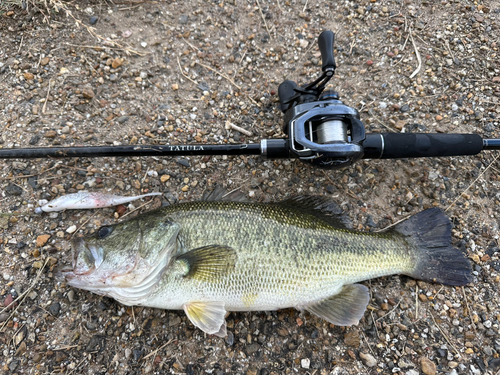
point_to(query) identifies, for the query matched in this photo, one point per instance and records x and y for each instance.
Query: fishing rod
(321, 130)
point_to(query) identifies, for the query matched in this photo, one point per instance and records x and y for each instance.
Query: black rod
(137, 150)
(491, 144)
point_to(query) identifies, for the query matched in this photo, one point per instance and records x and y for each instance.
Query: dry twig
(223, 75)
(264, 19)
(472, 183)
(419, 59)
(185, 75)
(23, 296)
(156, 350)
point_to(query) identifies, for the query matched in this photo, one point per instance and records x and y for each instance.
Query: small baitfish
(88, 200)
(210, 257)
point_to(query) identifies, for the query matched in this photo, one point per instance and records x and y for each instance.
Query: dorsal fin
(321, 207)
(221, 194)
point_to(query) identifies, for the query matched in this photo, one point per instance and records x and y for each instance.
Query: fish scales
(211, 257)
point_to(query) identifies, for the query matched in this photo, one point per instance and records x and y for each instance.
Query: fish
(88, 200)
(212, 257)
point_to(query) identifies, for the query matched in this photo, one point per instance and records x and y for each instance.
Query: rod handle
(421, 145)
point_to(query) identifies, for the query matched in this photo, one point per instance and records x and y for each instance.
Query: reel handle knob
(325, 42)
(286, 92)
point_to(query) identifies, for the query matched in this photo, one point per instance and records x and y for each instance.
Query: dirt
(175, 72)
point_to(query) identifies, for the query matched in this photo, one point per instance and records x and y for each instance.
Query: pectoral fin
(345, 308)
(208, 263)
(207, 316)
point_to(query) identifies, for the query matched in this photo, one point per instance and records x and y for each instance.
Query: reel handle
(325, 43)
(421, 145)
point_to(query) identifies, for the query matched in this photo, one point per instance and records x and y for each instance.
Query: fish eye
(104, 232)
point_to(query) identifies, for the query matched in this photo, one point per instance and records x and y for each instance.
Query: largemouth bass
(211, 257)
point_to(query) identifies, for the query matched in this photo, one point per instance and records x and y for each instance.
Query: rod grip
(421, 145)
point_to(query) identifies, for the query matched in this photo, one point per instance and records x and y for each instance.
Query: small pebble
(42, 240)
(54, 308)
(428, 367)
(368, 359)
(71, 229)
(305, 363)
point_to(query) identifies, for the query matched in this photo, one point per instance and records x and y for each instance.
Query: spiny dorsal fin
(345, 308)
(208, 263)
(321, 207)
(207, 316)
(221, 194)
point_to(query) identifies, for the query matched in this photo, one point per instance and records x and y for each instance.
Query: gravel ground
(182, 72)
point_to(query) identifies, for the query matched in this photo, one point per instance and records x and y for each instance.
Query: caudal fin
(437, 260)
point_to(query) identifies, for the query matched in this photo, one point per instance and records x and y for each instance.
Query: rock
(122, 119)
(44, 61)
(183, 162)
(252, 348)
(42, 240)
(96, 343)
(137, 353)
(305, 363)
(439, 118)
(230, 338)
(13, 189)
(88, 93)
(352, 338)
(60, 356)
(368, 359)
(93, 20)
(13, 365)
(71, 229)
(54, 308)
(183, 19)
(494, 364)
(28, 76)
(405, 108)
(34, 139)
(117, 63)
(50, 134)
(428, 367)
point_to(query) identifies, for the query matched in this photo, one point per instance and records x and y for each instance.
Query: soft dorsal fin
(345, 308)
(321, 207)
(208, 263)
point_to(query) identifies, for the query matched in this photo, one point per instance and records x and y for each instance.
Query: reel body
(326, 133)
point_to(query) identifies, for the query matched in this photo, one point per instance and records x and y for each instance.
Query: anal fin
(345, 308)
(207, 316)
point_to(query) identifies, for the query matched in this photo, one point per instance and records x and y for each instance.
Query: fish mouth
(85, 257)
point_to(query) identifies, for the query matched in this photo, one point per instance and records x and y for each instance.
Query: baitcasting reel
(321, 129)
